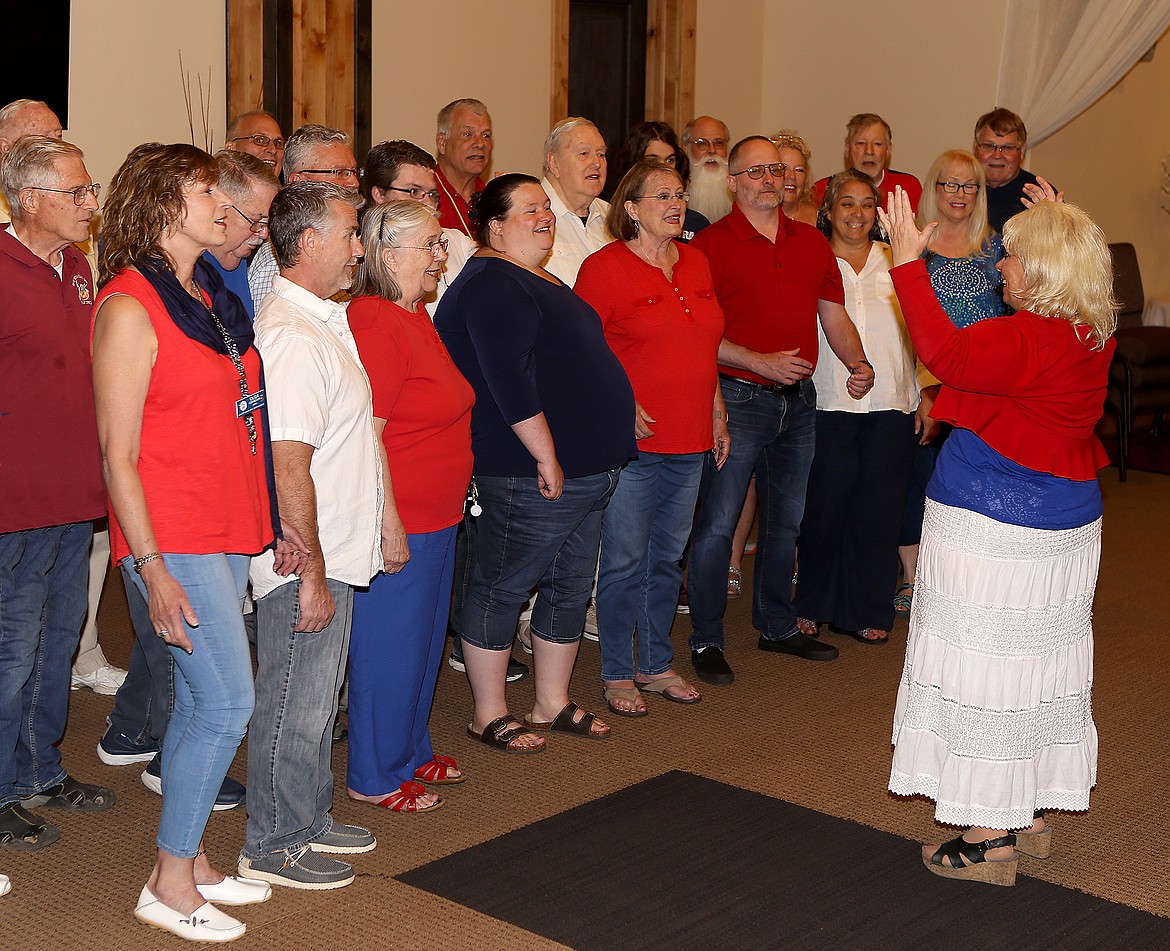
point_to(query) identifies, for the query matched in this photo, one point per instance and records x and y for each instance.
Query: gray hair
(32, 161)
(443, 120)
(689, 128)
(234, 128)
(383, 226)
(10, 112)
(240, 171)
(299, 146)
(299, 207)
(560, 132)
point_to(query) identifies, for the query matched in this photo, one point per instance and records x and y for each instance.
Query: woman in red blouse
(662, 321)
(422, 412)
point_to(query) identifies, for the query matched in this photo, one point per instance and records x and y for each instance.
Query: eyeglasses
(435, 247)
(990, 148)
(970, 188)
(255, 225)
(262, 140)
(709, 143)
(78, 193)
(684, 197)
(353, 173)
(756, 172)
(418, 194)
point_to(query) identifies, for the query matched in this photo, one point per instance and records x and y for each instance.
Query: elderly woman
(656, 301)
(869, 141)
(422, 412)
(994, 716)
(574, 176)
(962, 256)
(857, 483)
(181, 421)
(553, 423)
(797, 194)
(652, 141)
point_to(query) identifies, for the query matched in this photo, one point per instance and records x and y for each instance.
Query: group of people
(380, 401)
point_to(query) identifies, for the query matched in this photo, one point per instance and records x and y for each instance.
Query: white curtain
(1061, 56)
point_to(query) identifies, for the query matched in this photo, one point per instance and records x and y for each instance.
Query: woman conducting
(994, 718)
(422, 412)
(552, 424)
(657, 304)
(181, 421)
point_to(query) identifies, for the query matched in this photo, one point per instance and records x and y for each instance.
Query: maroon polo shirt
(50, 467)
(769, 290)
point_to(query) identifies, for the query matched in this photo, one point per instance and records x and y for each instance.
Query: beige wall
(731, 33)
(1108, 160)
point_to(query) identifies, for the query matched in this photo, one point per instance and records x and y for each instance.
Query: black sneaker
(117, 749)
(516, 670)
(799, 645)
(298, 868)
(231, 793)
(711, 667)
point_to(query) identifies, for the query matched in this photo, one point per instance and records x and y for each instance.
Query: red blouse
(1029, 386)
(426, 403)
(666, 335)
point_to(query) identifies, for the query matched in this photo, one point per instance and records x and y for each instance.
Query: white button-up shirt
(574, 241)
(318, 394)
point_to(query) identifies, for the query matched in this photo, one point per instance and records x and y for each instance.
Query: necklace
(466, 228)
(234, 354)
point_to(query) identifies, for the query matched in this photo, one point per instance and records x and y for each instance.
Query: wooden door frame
(670, 61)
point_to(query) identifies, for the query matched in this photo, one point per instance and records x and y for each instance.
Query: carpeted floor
(814, 735)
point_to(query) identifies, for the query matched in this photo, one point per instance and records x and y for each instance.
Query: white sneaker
(105, 680)
(590, 632)
(524, 635)
(5, 885)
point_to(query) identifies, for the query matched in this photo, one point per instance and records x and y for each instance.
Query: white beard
(710, 196)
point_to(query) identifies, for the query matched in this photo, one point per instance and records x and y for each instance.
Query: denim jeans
(643, 536)
(143, 703)
(399, 629)
(526, 541)
(773, 435)
(44, 578)
(213, 695)
(290, 749)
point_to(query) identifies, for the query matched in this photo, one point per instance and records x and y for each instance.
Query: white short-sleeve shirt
(574, 241)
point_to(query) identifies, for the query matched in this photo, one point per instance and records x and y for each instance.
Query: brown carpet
(816, 735)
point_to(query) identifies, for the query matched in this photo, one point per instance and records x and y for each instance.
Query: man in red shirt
(463, 144)
(774, 278)
(51, 486)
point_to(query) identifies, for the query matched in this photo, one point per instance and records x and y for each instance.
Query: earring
(637, 227)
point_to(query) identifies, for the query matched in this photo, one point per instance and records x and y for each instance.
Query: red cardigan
(1027, 385)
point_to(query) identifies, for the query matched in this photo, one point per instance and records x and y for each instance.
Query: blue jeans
(775, 436)
(213, 695)
(290, 749)
(643, 536)
(526, 541)
(399, 629)
(44, 580)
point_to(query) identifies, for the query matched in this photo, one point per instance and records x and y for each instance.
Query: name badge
(250, 403)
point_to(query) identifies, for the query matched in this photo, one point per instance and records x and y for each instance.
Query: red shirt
(1028, 386)
(205, 490)
(426, 403)
(769, 291)
(50, 466)
(666, 335)
(910, 185)
(454, 211)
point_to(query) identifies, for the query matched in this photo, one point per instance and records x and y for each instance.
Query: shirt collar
(559, 208)
(745, 230)
(326, 311)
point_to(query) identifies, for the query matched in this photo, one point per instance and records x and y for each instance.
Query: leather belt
(779, 389)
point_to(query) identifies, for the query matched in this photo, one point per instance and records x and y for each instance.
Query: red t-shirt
(205, 490)
(910, 185)
(426, 403)
(454, 211)
(50, 466)
(769, 291)
(666, 335)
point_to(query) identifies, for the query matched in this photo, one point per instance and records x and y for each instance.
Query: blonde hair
(787, 139)
(978, 230)
(1068, 270)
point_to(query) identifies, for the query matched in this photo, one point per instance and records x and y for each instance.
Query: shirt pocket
(651, 310)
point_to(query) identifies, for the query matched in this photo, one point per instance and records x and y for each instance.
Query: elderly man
(1001, 139)
(574, 175)
(774, 278)
(706, 141)
(869, 143)
(51, 486)
(328, 483)
(314, 153)
(464, 146)
(258, 134)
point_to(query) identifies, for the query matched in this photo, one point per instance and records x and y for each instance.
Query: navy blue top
(1004, 202)
(528, 346)
(235, 281)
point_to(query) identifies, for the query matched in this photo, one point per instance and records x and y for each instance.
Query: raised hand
(906, 242)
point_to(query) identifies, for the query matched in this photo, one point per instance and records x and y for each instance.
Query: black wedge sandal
(968, 861)
(1037, 845)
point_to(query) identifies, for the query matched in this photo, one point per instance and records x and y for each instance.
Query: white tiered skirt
(994, 712)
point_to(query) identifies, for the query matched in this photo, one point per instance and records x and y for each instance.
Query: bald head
(27, 117)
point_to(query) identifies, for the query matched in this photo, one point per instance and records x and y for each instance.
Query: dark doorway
(36, 56)
(607, 65)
